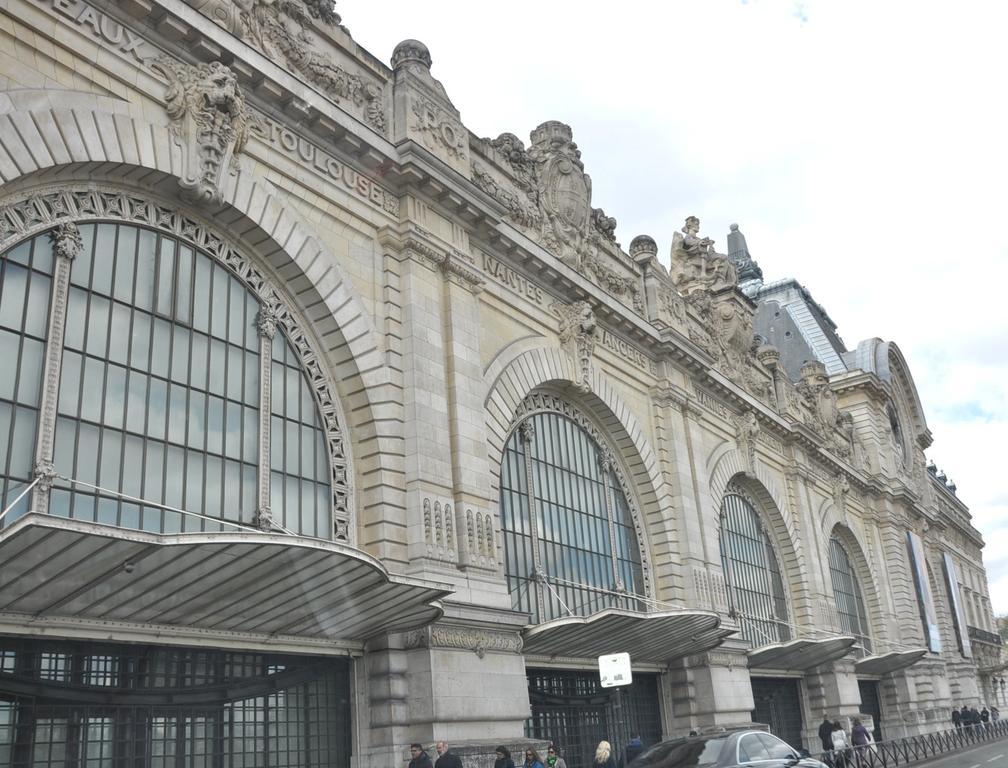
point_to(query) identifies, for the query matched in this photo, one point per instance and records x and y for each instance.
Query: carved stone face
(220, 90)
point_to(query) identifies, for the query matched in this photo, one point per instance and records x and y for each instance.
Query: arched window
(564, 515)
(754, 576)
(167, 361)
(847, 593)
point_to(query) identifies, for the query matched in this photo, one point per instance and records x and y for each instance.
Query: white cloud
(860, 146)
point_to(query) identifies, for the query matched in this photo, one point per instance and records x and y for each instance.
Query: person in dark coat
(956, 718)
(825, 729)
(446, 758)
(603, 756)
(974, 716)
(633, 748)
(420, 759)
(503, 758)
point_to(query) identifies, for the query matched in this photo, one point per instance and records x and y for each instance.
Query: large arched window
(754, 576)
(847, 593)
(565, 517)
(179, 392)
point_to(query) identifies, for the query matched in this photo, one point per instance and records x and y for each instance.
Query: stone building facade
(327, 426)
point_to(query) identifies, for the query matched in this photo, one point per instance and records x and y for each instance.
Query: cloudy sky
(861, 147)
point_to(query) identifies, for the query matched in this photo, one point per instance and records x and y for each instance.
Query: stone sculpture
(210, 122)
(695, 263)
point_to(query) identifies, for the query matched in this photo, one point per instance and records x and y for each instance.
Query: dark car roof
(686, 752)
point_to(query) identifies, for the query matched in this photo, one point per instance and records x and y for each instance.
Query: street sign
(614, 670)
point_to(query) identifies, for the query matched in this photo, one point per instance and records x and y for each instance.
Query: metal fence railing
(886, 754)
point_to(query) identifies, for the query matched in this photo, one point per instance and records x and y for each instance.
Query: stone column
(67, 246)
(266, 325)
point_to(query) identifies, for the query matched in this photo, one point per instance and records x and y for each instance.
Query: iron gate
(84, 705)
(778, 704)
(571, 710)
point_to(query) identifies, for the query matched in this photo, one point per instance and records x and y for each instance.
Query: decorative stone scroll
(578, 333)
(28, 216)
(210, 124)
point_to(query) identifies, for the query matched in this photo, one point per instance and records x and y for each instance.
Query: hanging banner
(958, 614)
(924, 597)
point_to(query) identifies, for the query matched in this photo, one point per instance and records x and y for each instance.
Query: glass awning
(885, 663)
(799, 655)
(654, 638)
(244, 585)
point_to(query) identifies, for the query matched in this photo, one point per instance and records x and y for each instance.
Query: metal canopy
(648, 637)
(885, 663)
(247, 583)
(799, 655)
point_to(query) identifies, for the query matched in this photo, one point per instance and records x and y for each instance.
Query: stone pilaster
(710, 689)
(67, 246)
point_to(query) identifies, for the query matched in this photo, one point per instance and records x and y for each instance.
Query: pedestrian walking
(825, 729)
(419, 757)
(503, 758)
(603, 756)
(553, 759)
(956, 718)
(532, 759)
(841, 745)
(634, 747)
(446, 758)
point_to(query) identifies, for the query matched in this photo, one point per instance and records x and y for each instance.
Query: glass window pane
(37, 308)
(12, 296)
(103, 259)
(122, 286)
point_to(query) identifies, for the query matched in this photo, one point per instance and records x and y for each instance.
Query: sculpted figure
(695, 263)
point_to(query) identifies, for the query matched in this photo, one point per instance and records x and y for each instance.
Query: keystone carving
(280, 30)
(210, 123)
(747, 430)
(578, 332)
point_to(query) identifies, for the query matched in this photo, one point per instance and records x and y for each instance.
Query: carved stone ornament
(464, 638)
(266, 321)
(820, 400)
(67, 241)
(841, 487)
(45, 472)
(578, 333)
(695, 263)
(210, 123)
(281, 31)
(747, 430)
(725, 332)
(36, 213)
(552, 197)
(263, 519)
(439, 128)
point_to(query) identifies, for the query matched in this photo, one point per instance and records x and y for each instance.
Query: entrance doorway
(570, 709)
(778, 704)
(871, 704)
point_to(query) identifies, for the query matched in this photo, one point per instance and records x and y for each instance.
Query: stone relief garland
(546, 402)
(280, 30)
(40, 211)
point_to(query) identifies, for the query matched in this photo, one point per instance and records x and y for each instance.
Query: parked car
(754, 749)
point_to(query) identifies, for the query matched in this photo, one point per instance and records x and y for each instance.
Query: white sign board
(614, 670)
